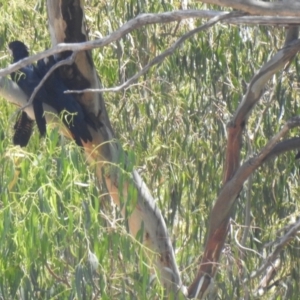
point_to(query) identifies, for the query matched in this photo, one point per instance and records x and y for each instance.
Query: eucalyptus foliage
(58, 240)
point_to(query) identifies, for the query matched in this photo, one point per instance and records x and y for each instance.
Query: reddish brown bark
(223, 208)
(218, 231)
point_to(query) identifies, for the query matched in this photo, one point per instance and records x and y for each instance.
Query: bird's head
(18, 50)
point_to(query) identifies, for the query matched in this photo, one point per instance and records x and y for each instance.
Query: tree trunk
(67, 25)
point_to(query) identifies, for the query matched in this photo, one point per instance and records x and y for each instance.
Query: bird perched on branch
(27, 80)
(71, 112)
(51, 93)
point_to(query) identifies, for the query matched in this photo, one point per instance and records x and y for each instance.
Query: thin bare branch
(247, 212)
(67, 61)
(284, 146)
(255, 88)
(255, 7)
(59, 279)
(263, 20)
(158, 59)
(280, 245)
(136, 23)
(270, 274)
(143, 20)
(242, 246)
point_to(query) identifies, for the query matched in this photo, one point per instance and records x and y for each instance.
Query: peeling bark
(67, 25)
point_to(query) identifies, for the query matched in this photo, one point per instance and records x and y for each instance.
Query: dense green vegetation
(53, 224)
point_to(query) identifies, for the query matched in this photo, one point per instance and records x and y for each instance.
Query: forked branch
(234, 175)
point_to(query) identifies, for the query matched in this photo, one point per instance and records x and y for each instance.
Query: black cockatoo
(51, 93)
(70, 110)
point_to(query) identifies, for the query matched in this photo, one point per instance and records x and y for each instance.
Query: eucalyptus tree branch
(106, 155)
(158, 59)
(255, 88)
(263, 20)
(284, 146)
(136, 23)
(282, 242)
(247, 212)
(255, 7)
(272, 263)
(14, 95)
(58, 279)
(227, 198)
(148, 19)
(231, 190)
(271, 271)
(234, 174)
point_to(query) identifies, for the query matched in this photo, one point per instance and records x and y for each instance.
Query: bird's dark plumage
(51, 93)
(19, 50)
(27, 79)
(70, 110)
(23, 130)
